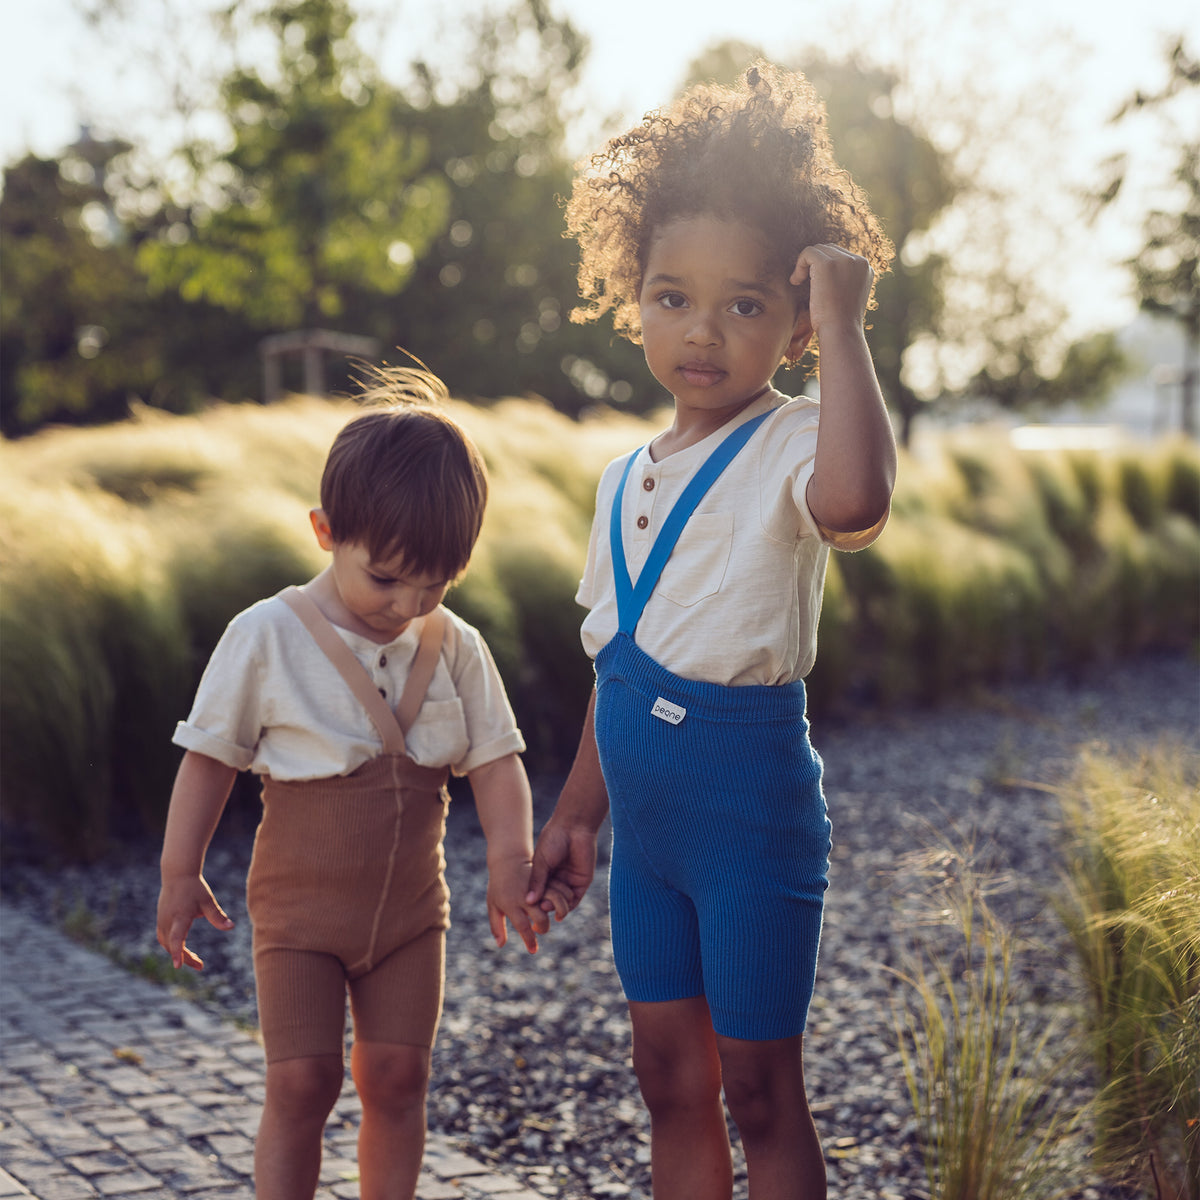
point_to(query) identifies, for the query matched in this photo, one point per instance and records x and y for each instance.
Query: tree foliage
(321, 193)
(488, 304)
(1166, 269)
(428, 215)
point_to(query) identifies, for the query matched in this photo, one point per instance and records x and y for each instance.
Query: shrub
(132, 545)
(977, 1061)
(1132, 906)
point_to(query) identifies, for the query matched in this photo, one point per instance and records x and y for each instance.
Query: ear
(801, 336)
(320, 524)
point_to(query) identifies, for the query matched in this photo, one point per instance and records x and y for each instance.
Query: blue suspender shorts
(720, 835)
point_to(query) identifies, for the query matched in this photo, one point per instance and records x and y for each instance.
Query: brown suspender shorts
(347, 883)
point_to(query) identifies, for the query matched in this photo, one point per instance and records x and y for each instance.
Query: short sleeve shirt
(740, 597)
(272, 703)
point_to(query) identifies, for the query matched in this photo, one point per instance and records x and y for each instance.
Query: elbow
(855, 512)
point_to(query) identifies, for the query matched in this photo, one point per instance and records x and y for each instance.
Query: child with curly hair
(722, 235)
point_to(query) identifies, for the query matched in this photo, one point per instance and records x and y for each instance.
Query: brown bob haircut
(404, 479)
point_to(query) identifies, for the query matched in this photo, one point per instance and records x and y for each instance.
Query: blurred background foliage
(427, 215)
(125, 549)
(138, 287)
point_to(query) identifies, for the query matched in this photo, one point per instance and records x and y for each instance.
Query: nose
(704, 330)
(410, 603)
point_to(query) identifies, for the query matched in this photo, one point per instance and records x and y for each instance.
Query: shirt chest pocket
(438, 737)
(700, 560)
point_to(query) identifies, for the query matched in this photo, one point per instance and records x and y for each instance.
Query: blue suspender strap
(631, 597)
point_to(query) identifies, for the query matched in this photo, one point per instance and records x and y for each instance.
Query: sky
(1086, 56)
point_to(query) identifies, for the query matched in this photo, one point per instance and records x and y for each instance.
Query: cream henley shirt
(739, 599)
(272, 703)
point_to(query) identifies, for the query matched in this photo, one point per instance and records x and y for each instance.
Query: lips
(701, 374)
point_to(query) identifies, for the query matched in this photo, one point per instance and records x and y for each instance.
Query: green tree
(321, 192)
(489, 302)
(1166, 270)
(76, 328)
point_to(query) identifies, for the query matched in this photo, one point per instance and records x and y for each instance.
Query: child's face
(381, 598)
(716, 320)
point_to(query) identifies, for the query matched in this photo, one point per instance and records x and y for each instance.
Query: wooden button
(642, 522)
(648, 484)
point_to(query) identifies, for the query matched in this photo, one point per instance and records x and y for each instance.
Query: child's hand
(181, 901)
(840, 285)
(508, 883)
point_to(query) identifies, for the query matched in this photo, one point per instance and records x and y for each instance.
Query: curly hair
(758, 154)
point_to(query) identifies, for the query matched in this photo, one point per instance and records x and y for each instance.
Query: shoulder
(793, 414)
(610, 477)
(264, 621)
(461, 641)
(266, 632)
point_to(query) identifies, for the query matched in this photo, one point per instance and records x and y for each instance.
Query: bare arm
(564, 860)
(505, 807)
(202, 786)
(855, 466)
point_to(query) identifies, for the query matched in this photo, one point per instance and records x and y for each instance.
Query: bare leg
(392, 1081)
(764, 1088)
(678, 1069)
(287, 1156)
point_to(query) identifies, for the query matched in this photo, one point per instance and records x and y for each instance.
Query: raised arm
(202, 786)
(564, 861)
(855, 466)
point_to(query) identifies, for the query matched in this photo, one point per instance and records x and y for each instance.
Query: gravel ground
(531, 1070)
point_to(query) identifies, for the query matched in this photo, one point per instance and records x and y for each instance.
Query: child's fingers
(190, 959)
(216, 915)
(556, 901)
(537, 918)
(521, 924)
(498, 926)
(524, 927)
(171, 938)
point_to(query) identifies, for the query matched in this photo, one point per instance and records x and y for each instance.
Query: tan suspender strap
(351, 670)
(424, 663)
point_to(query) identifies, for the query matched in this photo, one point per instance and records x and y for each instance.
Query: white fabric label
(666, 711)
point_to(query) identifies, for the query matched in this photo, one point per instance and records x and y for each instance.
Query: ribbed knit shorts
(347, 889)
(720, 842)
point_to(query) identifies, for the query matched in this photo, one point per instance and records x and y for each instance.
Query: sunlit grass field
(126, 549)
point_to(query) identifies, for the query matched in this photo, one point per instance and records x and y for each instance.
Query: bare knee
(674, 1056)
(390, 1078)
(764, 1086)
(304, 1089)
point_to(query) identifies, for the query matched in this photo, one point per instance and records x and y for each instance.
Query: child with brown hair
(353, 697)
(722, 235)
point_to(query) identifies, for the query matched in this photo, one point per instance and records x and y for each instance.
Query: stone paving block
(119, 1122)
(102, 1163)
(495, 1185)
(18, 1095)
(184, 1169)
(28, 1163)
(135, 1144)
(437, 1189)
(9, 1186)
(128, 1183)
(224, 1145)
(446, 1164)
(64, 1187)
